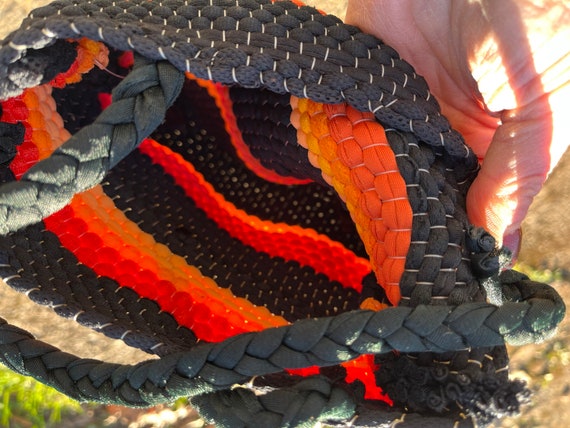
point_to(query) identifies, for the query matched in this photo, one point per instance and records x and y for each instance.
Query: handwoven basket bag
(264, 198)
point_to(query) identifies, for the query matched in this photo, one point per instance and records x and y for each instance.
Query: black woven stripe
(285, 288)
(263, 118)
(438, 264)
(52, 276)
(474, 382)
(281, 46)
(439, 271)
(194, 129)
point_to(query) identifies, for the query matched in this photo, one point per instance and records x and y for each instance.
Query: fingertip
(487, 210)
(500, 212)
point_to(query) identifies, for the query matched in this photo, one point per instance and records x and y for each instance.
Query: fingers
(513, 172)
(527, 79)
(517, 69)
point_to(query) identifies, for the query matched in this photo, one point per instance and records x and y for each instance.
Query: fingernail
(512, 241)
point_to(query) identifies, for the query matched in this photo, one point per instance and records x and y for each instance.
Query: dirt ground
(546, 245)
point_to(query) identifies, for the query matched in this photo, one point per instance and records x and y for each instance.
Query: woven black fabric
(11, 136)
(324, 342)
(450, 364)
(328, 61)
(286, 288)
(438, 264)
(203, 141)
(264, 122)
(57, 280)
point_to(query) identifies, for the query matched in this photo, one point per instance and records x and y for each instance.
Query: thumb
(533, 135)
(514, 170)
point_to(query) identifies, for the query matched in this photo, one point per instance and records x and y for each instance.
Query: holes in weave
(286, 288)
(213, 156)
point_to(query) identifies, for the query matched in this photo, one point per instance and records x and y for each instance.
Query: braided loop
(321, 342)
(140, 102)
(309, 401)
(305, 402)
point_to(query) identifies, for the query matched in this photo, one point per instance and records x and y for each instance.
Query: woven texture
(268, 200)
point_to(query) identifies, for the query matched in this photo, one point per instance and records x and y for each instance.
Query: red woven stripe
(221, 95)
(276, 239)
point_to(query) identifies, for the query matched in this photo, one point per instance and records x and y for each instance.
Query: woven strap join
(366, 126)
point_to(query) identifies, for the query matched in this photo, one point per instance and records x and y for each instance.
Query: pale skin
(501, 72)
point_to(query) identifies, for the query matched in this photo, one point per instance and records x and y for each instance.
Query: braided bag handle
(324, 342)
(273, 46)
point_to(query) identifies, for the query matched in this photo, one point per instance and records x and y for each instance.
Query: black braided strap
(306, 403)
(321, 342)
(139, 105)
(311, 400)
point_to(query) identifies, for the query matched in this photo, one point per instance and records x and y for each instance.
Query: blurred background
(545, 256)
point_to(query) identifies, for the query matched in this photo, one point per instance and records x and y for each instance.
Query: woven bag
(264, 198)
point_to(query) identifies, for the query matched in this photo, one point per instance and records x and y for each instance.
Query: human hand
(501, 73)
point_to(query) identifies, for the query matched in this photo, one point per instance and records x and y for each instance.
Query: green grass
(28, 403)
(547, 276)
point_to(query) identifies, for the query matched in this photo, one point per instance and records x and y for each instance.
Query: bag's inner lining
(150, 198)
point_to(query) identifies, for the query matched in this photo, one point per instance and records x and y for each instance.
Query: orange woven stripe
(276, 239)
(221, 95)
(308, 247)
(130, 264)
(35, 109)
(351, 150)
(89, 54)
